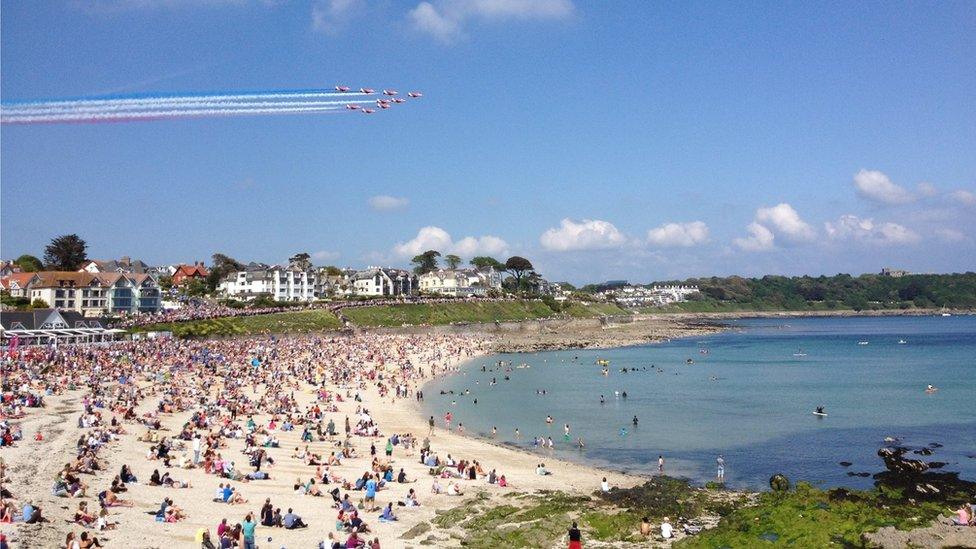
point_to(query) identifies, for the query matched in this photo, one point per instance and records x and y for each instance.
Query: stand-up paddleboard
(820, 414)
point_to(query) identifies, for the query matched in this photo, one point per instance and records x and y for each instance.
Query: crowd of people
(205, 310)
(224, 409)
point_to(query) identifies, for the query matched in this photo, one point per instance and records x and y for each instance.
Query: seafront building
(384, 281)
(460, 282)
(655, 296)
(90, 294)
(279, 283)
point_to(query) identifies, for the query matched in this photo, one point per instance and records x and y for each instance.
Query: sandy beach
(33, 464)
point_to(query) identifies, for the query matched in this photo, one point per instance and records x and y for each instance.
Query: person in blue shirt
(247, 530)
(387, 515)
(371, 494)
(291, 520)
(32, 514)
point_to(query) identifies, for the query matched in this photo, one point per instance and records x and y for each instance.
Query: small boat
(820, 414)
(862, 342)
(689, 361)
(946, 314)
(799, 352)
(603, 362)
(902, 342)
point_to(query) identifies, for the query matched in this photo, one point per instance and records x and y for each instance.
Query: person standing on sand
(720, 474)
(575, 537)
(430, 423)
(660, 464)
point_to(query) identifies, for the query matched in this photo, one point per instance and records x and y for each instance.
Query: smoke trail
(159, 114)
(161, 106)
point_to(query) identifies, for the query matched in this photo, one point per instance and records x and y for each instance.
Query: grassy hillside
(446, 313)
(277, 323)
(588, 310)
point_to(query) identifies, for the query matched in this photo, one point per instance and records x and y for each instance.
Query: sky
(627, 140)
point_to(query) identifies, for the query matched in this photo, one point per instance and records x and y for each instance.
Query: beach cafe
(52, 327)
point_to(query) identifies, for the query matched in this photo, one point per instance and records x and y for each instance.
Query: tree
(165, 283)
(29, 263)
(65, 253)
(425, 262)
(301, 260)
(518, 266)
(484, 261)
(222, 266)
(39, 304)
(452, 261)
(332, 270)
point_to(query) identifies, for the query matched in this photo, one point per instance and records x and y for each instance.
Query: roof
(20, 278)
(190, 270)
(38, 319)
(112, 265)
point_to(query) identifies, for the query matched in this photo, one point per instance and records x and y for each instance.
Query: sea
(747, 394)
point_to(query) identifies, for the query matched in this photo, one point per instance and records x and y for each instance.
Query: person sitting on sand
(86, 541)
(83, 516)
(541, 470)
(32, 513)
(109, 499)
(411, 499)
(502, 482)
(387, 514)
(291, 521)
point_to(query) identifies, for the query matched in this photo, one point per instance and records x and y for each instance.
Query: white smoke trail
(199, 97)
(46, 110)
(159, 114)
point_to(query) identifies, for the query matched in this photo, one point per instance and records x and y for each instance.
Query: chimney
(125, 260)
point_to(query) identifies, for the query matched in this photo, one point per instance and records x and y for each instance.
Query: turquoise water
(749, 397)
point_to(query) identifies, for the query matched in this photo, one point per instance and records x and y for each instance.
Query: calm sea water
(747, 395)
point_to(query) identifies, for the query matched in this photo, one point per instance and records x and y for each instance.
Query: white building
(380, 281)
(274, 281)
(460, 282)
(655, 296)
(95, 294)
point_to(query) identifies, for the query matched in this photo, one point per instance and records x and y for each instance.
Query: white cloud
(784, 221)
(876, 186)
(964, 198)
(866, 230)
(588, 234)
(760, 239)
(386, 203)
(329, 16)
(436, 238)
(325, 255)
(678, 234)
(445, 20)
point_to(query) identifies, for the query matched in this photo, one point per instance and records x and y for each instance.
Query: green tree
(452, 261)
(301, 260)
(332, 270)
(518, 266)
(425, 262)
(29, 263)
(222, 266)
(195, 287)
(65, 253)
(165, 283)
(484, 261)
(39, 304)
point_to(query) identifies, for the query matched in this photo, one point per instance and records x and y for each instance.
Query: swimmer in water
(635, 421)
(549, 420)
(602, 400)
(579, 443)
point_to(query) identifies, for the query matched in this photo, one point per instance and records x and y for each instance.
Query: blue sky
(635, 140)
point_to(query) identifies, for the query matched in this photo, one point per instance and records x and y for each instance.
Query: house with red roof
(185, 273)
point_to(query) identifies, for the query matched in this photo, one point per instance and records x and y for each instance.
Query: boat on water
(862, 342)
(799, 352)
(602, 362)
(946, 314)
(820, 414)
(902, 342)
